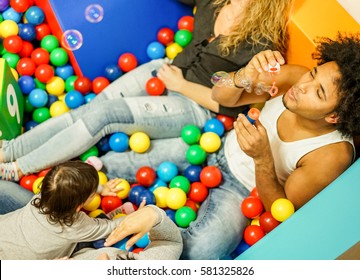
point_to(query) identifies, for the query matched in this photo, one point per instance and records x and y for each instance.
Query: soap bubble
(222, 79)
(72, 39)
(94, 13)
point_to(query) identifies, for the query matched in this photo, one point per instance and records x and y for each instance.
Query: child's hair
(64, 188)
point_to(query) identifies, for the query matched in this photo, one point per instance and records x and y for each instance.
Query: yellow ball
(8, 28)
(173, 50)
(160, 194)
(281, 209)
(58, 108)
(37, 185)
(255, 221)
(139, 142)
(102, 178)
(93, 204)
(118, 215)
(15, 74)
(125, 186)
(95, 213)
(55, 86)
(175, 198)
(210, 142)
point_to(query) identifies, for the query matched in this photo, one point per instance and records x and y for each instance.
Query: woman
(226, 35)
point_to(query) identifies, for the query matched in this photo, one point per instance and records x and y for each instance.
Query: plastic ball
(127, 62)
(27, 32)
(190, 134)
(160, 194)
(8, 27)
(98, 243)
(252, 207)
(11, 58)
(172, 50)
(119, 142)
(13, 43)
(82, 84)
(42, 30)
(70, 83)
(26, 50)
(20, 5)
(99, 83)
(198, 192)
(94, 203)
(64, 71)
(139, 142)
(37, 185)
(30, 125)
(167, 170)
(254, 192)
(74, 99)
(58, 57)
(268, 222)
(41, 114)
(227, 121)
(26, 84)
(58, 108)
(171, 214)
(89, 97)
(176, 198)
(211, 176)
(242, 247)
(55, 86)
(26, 66)
(95, 213)
(11, 14)
(93, 151)
(135, 193)
(112, 72)
(158, 183)
(145, 176)
(214, 125)
(184, 216)
(281, 209)
(165, 36)
(44, 72)
(27, 181)
(38, 98)
(183, 37)
(186, 22)
(49, 43)
(195, 154)
(122, 244)
(181, 182)
(34, 15)
(40, 56)
(192, 204)
(125, 189)
(210, 142)
(154, 86)
(253, 234)
(143, 241)
(192, 172)
(109, 203)
(146, 195)
(155, 50)
(103, 179)
(95, 162)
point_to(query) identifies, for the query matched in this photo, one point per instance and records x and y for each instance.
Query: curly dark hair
(345, 51)
(64, 188)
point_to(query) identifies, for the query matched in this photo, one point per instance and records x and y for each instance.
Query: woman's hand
(110, 188)
(260, 62)
(171, 76)
(136, 224)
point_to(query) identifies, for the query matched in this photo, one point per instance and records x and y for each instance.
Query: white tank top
(286, 154)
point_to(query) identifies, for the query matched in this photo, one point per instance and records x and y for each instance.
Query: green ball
(195, 154)
(180, 182)
(190, 134)
(184, 216)
(39, 84)
(41, 114)
(59, 57)
(49, 43)
(93, 151)
(69, 83)
(27, 105)
(12, 59)
(183, 37)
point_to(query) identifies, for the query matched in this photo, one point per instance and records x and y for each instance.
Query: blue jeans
(123, 106)
(12, 196)
(219, 226)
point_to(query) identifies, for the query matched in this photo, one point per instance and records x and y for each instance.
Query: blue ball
(158, 183)
(147, 195)
(155, 50)
(143, 241)
(64, 71)
(35, 15)
(119, 142)
(241, 247)
(26, 84)
(27, 31)
(135, 193)
(112, 72)
(51, 99)
(38, 98)
(214, 125)
(89, 97)
(103, 145)
(192, 172)
(98, 243)
(171, 214)
(11, 14)
(122, 244)
(167, 170)
(30, 125)
(74, 99)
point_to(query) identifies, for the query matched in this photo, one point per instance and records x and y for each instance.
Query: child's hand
(110, 188)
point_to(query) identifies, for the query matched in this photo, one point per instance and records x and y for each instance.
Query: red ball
(42, 30)
(27, 181)
(186, 22)
(20, 6)
(42, 173)
(268, 222)
(99, 83)
(13, 44)
(165, 36)
(40, 56)
(44, 72)
(145, 176)
(155, 86)
(252, 207)
(26, 50)
(192, 205)
(83, 85)
(198, 192)
(26, 66)
(227, 121)
(210, 176)
(137, 250)
(254, 192)
(127, 62)
(109, 203)
(253, 234)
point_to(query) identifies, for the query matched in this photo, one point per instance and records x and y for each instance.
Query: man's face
(315, 95)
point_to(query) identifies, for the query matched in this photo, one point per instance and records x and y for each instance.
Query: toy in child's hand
(253, 114)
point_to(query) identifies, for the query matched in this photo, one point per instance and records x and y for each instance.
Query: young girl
(52, 223)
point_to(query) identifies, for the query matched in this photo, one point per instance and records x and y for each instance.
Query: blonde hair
(264, 22)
